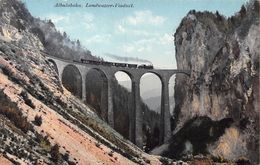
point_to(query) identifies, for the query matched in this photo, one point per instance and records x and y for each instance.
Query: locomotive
(143, 66)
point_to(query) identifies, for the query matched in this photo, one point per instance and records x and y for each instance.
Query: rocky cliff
(223, 57)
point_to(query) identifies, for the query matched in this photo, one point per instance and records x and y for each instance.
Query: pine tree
(242, 11)
(78, 43)
(65, 35)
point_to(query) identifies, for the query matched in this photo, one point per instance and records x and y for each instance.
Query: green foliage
(44, 142)
(45, 145)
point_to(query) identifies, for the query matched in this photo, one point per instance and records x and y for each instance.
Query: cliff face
(223, 57)
(41, 122)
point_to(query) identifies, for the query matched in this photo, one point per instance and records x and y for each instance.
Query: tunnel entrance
(72, 80)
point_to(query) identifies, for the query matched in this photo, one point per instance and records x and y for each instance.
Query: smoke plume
(127, 59)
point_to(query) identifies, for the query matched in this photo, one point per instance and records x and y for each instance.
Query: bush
(6, 71)
(43, 142)
(111, 153)
(27, 100)
(55, 154)
(71, 163)
(11, 111)
(65, 157)
(243, 161)
(165, 161)
(38, 120)
(97, 144)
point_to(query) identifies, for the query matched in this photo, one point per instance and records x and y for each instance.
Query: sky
(143, 31)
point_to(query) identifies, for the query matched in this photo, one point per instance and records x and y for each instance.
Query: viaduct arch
(135, 74)
(102, 79)
(72, 80)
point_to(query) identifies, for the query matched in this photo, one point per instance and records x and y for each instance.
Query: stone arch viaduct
(135, 74)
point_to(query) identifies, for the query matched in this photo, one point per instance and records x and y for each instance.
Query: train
(105, 63)
(143, 66)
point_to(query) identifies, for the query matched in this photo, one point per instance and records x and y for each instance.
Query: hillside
(40, 120)
(57, 44)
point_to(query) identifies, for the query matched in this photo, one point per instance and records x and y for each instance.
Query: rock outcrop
(41, 122)
(223, 57)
